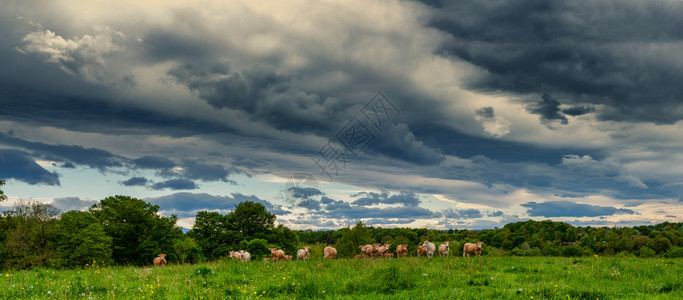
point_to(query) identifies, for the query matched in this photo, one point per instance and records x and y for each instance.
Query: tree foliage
(139, 234)
(352, 238)
(28, 243)
(80, 240)
(3, 197)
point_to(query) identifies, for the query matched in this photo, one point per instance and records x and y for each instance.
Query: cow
(430, 248)
(287, 257)
(303, 253)
(472, 248)
(160, 260)
(245, 256)
(330, 252)
(402, 250)
(375, 249)
(358, 256)
(383, 249)
(367, 250)
(276, 254)
(444, 249)
(266, 259)
(235, 255)
(388, 255)
(421, 250)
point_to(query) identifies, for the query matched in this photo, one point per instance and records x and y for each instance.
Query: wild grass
(404, 278)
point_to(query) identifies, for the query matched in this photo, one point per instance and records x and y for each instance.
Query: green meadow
(403, 278)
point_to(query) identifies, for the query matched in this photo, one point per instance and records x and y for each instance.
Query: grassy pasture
(404, 278)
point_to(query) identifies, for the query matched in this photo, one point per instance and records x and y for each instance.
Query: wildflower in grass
(49, 292)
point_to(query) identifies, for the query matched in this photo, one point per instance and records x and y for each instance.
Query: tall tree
(351, 238)
(251, 219)
(213, 232)
(29, 243)
(80, 239)
(3, 197)
(138, 232)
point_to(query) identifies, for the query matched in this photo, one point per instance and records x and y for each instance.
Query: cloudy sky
(464, 114)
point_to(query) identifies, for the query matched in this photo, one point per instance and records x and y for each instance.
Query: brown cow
(388, 255)
(367, 250)
(383, 249)
(359, 256)
(444, 249)
(287, 257)
(330, 252)
(160, 260)
(472, 248)
(276, 254)
(421, 250)
(402, 250)
(266, 259)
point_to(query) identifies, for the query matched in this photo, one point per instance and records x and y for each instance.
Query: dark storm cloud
(175, 184)
(206, 172)
(628, 60)
(91, 157)
(341, 209)
(304, 193)
(191, 203)
(571, 209)
(495, 214)
(485, 112)
(15, 164)
(135, 181)
(261, 94)
(309, 204)
(405, 198)
(400, 143)
(549, 110)
(154, 162)
(578, 110)
(461, 213)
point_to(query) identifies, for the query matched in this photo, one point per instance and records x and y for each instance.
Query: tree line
(123, 230)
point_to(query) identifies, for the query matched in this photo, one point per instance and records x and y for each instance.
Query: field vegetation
(409, 278)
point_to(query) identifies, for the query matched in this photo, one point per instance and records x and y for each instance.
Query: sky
(457, 114)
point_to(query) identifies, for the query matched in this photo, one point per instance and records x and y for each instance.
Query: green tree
(29, 243)
(80, 239)
(352, 238)
(251, 219)
(660, 244)
(283, 238)
(138, 232)
(188, 250)
(3, 197)
(213, 233)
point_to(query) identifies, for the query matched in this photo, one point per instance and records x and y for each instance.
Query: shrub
(674, 252)
(646, 252)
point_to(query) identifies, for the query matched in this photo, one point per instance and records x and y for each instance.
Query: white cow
(245, 256)
(431, 248)
(303, 254)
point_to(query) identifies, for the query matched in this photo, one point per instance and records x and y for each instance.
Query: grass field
(405, 278)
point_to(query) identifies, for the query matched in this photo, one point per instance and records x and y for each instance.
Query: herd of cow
(426, 249)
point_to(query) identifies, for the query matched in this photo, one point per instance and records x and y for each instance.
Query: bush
(646, 252)
(674, 252)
